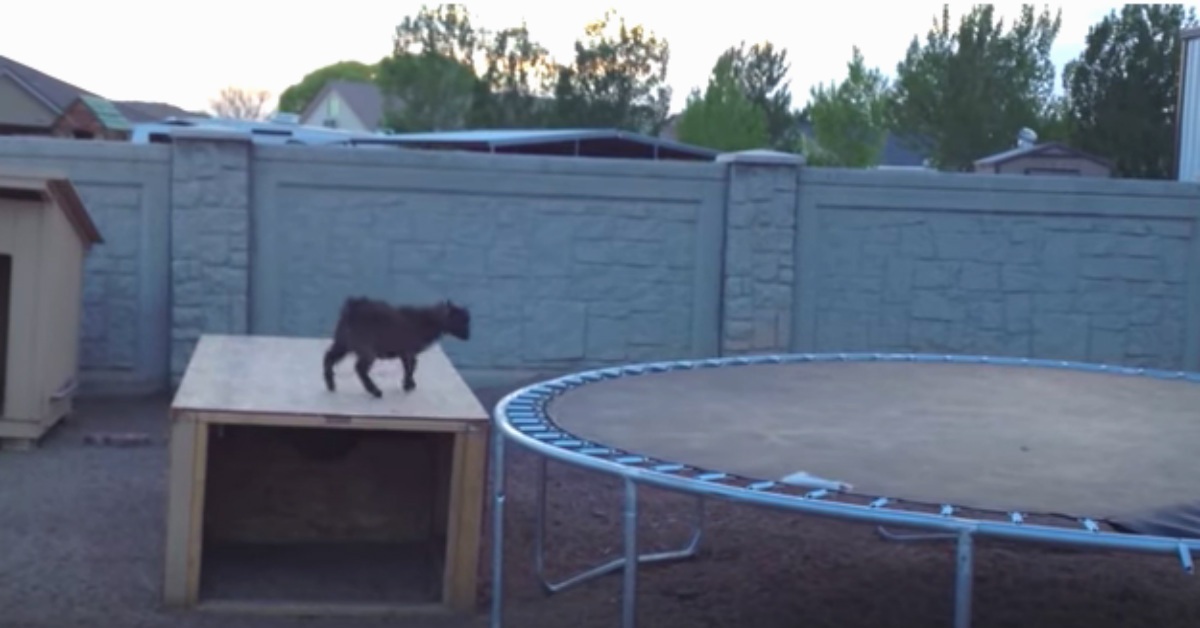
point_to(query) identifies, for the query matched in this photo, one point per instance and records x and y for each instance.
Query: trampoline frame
(521, 417)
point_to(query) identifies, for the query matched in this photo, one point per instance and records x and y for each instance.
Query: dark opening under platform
(319, 516)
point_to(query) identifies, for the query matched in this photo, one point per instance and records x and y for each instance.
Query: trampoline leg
(629, 582)
(963, 579)
(539, 544)
(497, 618)
(913, 537)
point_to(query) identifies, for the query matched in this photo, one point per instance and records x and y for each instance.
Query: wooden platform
(270, 472)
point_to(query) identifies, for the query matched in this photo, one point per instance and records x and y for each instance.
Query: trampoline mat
(985, 436)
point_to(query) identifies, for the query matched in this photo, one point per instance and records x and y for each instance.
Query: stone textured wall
(573, 263)
(210, 243)
(563, 263)
(1045, 268)
(760, 273)
(126, 310)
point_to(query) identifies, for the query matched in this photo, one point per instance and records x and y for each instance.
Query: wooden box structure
(287, 498)
(45, 235)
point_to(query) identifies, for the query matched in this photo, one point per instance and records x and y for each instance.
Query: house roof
(58, 95)
(143, 111)
(56, 186)
(607, 140)
(1039, 149)
(106, 112)
(363, 98)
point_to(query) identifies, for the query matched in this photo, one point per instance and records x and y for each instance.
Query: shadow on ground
(81, 536)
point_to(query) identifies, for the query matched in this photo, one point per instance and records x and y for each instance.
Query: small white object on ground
(807, 480)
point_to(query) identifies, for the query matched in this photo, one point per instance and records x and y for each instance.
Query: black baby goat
(373, 329)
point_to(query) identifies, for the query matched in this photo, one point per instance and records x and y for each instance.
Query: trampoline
(960, 447)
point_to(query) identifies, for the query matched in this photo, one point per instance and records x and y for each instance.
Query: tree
(242, 104)
(724, 118)
(445, 30)
(761, 73)
(1123, 89)
(616, 79)
(964, 94)
(297, 97)
(429, 82)
(849, 119)
(517, 83)
(426, 92)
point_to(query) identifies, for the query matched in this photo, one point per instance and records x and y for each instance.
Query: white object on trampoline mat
(808, 480)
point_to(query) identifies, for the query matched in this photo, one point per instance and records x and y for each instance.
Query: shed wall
(59, 308)
(20, 223)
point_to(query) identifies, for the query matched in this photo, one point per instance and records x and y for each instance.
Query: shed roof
(508, 138)
(49, 185)
(1039, 149)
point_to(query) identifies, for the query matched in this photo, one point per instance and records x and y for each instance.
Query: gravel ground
(81, 534)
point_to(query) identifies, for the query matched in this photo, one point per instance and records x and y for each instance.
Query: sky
(185, 54)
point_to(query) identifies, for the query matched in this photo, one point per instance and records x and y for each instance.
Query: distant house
(348, 105)
(1047, 159)
(92, 117)
(35, 103)
(1187, 142)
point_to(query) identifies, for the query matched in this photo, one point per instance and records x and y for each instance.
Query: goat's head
(455, 319)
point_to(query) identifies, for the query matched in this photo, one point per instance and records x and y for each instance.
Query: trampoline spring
(630, 459)
(817, 494)
(550, 435)
(668, 468)
(1016, 517)
(1185, 557)
(761, 486)
(1090, 525)
(879, 503)
(595, 451)
(711, 476)
(947, 510)
(568, 443)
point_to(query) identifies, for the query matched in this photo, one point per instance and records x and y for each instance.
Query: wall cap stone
(208, 135)
(762, 157)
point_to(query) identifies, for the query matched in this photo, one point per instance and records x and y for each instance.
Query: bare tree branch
(242, 104)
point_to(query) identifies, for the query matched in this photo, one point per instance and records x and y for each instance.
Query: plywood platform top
(274, 375)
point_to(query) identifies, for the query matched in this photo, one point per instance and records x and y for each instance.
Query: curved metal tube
(520, 417)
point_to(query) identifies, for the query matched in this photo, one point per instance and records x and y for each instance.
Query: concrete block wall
(126, 300)
(564, 263)
(1073, 269)
(574, 263)
(210, 241)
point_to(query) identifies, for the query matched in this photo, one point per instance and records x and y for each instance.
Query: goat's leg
(362, 366)
(410, 368)
(333, 355)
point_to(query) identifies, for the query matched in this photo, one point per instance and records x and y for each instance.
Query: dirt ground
(81, 532)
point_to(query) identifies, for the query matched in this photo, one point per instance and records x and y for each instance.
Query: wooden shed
(45, 234)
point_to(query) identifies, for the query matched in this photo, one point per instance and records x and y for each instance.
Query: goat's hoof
(408, 386)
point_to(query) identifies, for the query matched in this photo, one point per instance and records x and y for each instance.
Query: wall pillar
(210, 240)
(760, 251)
